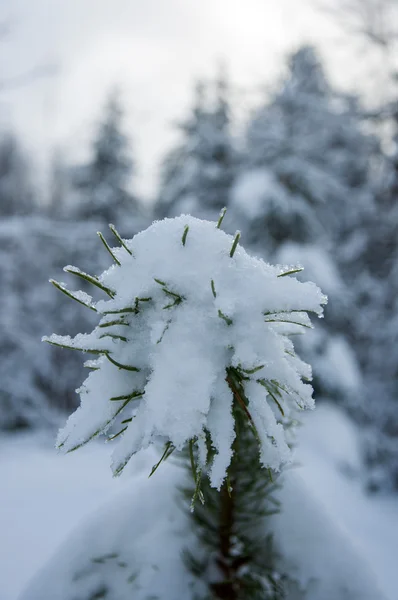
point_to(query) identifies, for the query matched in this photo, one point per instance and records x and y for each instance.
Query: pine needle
(235, 244)
(71, 295)
(221, 217)
(224, 317)
(169, 449)
(120, 366)
(103, 240)
(184, 235)
(291, 271)
(119, 238)
(90, 279)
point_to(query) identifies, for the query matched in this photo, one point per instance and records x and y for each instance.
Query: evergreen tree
(213, 384)
(197, 359)
(105, 182)
(374, 256)
(377, 292)
(16, 191)
(299, 196)
(198, 174)
(57, 207)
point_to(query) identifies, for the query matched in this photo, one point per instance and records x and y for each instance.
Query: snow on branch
(191, 330)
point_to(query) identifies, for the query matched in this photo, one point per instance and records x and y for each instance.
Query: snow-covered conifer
(197, 175)
(105, 182)
(308, 143)
(193, 353)
(300, 197)
(16, 191)
(192, 326)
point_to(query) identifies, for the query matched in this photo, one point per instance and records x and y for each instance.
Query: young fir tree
(374, 257)
(305, 180)
(197, 175)
(193, 351)
(105, 182)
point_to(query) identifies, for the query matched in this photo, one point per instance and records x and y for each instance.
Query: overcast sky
(154, 50)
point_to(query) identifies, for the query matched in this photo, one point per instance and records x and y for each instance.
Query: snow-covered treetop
(309, 141)
(106, 180)
(306, 73)
(192, 330)
(196, 175)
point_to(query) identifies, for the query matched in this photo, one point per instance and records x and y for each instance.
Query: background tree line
(312, 177)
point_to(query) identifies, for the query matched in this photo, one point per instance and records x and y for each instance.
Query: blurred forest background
(308, 169)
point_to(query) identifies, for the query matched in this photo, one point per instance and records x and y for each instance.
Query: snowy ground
(45, 495)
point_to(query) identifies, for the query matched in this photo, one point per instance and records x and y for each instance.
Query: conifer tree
(193, 353)
(197, 175)
(194, 350)
(16, 190)
(105, 182)
(299, 197)
(375, 256)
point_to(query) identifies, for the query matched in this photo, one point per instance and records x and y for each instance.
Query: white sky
(154, 50)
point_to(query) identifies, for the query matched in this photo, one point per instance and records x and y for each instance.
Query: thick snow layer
(329, 464)
(316, 551)
(186, 303)
(45, 495)
(132, 548)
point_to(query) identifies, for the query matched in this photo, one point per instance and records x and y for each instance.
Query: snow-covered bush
(192, 329)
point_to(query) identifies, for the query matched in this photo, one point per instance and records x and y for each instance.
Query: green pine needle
(103, 240)
(184, 235)
(119, 365)
(71, 295)
(254, 370)
(224, 317)
(213, 289)
(119, 238)
(93, 280)
(111, 323)
(235, 244)
(128, 309)
(98, 431)
(133, 396)
(113, 336)
(112, 437)
(197, 476)
(164, 330)
(267, 386)
(289, 322)
(291, 271)
(67, 347)
(168, 451)
(222, 215)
